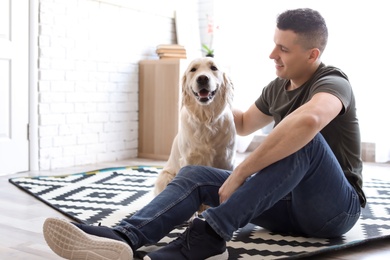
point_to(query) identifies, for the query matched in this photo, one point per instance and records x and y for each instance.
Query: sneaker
(198, 242)
(78, 241)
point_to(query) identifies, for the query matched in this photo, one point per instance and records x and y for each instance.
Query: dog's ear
(184, 90)
(227, 81)
(229, 88)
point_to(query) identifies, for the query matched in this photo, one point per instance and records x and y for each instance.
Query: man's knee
(189, 171)
(197, 173)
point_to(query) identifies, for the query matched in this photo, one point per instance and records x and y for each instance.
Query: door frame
(33, 85)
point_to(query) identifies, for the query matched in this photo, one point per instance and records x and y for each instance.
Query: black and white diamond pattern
(105, 196)
(109, 195)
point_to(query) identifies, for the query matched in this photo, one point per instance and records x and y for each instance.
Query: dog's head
(204, 84)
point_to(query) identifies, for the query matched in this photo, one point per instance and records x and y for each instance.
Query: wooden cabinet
(159, 99)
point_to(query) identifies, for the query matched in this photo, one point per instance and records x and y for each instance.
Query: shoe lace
(188, 238)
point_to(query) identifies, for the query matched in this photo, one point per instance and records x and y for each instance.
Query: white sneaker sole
(70, 242)
(223, 256)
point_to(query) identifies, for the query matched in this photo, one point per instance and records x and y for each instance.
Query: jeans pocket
(338, 225)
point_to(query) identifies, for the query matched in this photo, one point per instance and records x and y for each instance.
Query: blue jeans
(305, 193)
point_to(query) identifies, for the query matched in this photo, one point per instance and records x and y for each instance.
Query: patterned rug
(109, 195)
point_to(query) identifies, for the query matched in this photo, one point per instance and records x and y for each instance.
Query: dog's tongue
(203, 93)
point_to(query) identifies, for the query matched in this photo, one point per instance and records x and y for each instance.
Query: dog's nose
(202, 80)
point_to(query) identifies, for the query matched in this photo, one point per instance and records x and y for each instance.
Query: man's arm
(290, 135)
(250, 121)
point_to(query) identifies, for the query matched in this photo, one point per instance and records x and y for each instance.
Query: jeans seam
(172, 204)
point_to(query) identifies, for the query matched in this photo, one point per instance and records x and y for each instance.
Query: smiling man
(304, 179)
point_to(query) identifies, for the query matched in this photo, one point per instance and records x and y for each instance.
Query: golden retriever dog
(206, 134)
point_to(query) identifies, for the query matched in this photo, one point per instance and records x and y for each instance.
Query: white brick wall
(88, 78)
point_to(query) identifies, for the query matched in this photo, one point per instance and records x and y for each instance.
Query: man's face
(291, 59)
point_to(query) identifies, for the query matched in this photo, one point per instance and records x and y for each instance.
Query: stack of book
(171, 51)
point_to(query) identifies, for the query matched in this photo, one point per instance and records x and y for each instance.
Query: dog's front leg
(170, 169)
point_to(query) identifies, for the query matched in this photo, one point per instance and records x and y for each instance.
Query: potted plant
(209, 52)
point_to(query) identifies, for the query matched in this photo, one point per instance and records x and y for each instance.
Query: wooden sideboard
(159, 99)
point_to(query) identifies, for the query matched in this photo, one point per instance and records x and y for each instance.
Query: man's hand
(232, 183)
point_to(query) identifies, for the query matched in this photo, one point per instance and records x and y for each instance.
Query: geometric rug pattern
(109, 195)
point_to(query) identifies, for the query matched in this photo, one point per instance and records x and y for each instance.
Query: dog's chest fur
(206, 138)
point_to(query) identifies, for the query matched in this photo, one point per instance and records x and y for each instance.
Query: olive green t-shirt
(342, 133)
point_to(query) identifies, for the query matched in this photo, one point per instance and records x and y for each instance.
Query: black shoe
(77, 241)
(198, 242)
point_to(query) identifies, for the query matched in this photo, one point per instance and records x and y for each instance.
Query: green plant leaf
(207, 49)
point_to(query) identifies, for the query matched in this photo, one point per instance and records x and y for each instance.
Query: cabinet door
(159, 100)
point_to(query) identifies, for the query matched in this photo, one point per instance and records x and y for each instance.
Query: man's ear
(314, 54)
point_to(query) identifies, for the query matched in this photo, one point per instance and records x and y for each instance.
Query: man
(304, 179)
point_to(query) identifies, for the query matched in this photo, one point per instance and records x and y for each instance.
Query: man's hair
(308, 24)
